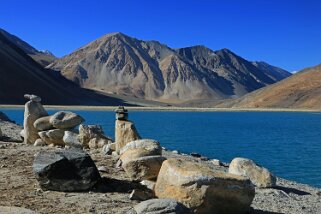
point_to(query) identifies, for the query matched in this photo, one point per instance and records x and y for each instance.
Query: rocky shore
(120, 176)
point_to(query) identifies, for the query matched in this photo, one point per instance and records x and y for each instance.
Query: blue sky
(285, 33)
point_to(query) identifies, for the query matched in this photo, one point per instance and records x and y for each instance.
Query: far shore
(168, 108)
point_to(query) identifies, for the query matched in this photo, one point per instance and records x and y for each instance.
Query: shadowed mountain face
(301, 90)
(20, 74)
(44, 58)
(150, 70)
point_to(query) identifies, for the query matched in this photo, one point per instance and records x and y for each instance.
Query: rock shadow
(114, 185)
(254, 211)
(291, 190)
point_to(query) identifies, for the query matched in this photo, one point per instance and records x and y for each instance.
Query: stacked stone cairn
(59, 129)
(178, 184)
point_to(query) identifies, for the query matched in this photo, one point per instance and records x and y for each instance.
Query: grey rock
(33, 111)
(32, 97)
(150, 145)
(65, 170)
(141, 195)
(43, 124)
(65, 120)
(216, 162)
(71, 139)
(102, 169)
(148, 184)
(161, 206)
(0, 133)
(259, 176)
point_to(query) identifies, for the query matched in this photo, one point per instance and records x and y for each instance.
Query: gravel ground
(18, 186)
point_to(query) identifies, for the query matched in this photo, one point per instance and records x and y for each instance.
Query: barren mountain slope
(42, 57)
(119, 64)
(20, 74)
(301, 90)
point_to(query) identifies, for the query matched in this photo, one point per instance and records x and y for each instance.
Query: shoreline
(174, 109)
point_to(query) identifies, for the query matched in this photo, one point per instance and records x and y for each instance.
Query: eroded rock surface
(203, 189)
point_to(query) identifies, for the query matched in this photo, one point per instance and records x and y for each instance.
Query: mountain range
(119, 70)
(20, 74)
(119, 64)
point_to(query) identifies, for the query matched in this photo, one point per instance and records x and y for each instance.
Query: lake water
(287, 143)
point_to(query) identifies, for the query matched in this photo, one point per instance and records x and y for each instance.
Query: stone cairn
(59, 129)
(178, 184)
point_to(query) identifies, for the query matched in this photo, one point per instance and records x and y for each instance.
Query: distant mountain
(273, 72)
(119, 64)
(301, 90)
(20, 74)
(42, 57)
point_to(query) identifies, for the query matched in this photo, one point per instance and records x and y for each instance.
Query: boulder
(39, 142)
(65, 120)
(71, 139)
(134, 154)
(152, 146)
(65, 170)
(109, 148)
(203, 189)
(125, 132)
(33, 111)
(143, 168)
(88, 132)
(43, 124)
(54, 136)
(259, 176)
(161, 206)
(97, 143)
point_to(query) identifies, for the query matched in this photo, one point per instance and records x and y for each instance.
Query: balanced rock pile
(59, 129)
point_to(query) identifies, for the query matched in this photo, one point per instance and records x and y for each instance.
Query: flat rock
(203, 189)
(15, 210)
(150, 145)
(32, 97)
(125, 132)
(43, 124)
(65, 170)
(143, 168)
(161, 206)
(259, 176)
(54, 136)
(65, 120)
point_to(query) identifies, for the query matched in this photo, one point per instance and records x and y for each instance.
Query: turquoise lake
(287, 143)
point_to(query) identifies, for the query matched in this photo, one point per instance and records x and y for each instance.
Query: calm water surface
(287, 143)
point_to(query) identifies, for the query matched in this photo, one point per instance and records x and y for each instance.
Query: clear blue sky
(285, 33)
